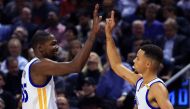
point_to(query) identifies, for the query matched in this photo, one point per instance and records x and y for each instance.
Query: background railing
(181, 95)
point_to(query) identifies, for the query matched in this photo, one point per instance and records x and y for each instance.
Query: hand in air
(96, 20)
(110, 23)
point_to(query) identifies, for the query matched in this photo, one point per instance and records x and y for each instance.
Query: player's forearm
(83, 55)
(113, 56)
(116, 63)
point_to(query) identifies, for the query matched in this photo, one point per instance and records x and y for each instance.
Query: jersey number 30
(24, 93)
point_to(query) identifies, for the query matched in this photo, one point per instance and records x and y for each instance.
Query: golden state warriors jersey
(142, 93)
(37, 96)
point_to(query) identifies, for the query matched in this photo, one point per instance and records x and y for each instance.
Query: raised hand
(96, 20)
(110, 23)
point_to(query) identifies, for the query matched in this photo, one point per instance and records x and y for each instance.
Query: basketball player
(37, 81)
(151, 92)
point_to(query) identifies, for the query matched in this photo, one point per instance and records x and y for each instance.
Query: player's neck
(147, 77)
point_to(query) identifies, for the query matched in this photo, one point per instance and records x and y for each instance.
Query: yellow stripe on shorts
(42, 95)
(40, 98)
(45, 98)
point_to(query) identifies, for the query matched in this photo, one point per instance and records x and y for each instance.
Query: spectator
(93, 68)
(10, 102)
(13, 77)
(174, 46)
(112, 88)
(15, 49)
(24, 20)
(55, 27)
(153, 28)
(183, 23)
(62, 102)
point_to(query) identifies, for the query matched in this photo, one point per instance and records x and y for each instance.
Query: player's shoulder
(158, 87)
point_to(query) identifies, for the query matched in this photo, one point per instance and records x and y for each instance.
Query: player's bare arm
(114, 57)
(49, 67)
(160, 94)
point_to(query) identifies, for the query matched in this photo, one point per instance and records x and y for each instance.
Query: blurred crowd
(165, 23)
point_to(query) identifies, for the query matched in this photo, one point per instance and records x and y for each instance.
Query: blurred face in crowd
(62, 102)
(137, 45)
(20, 33)
(26, 14)
(75, 47)
(13, 66)
(92, 63)
(150, 13)
(88, 89)
(84, 20)
(14, 47)
(170, 31)
(69, 35)
(138, 29)
(52, 19)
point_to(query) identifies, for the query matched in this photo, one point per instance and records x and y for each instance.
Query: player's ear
(148, 63)
(39, 47)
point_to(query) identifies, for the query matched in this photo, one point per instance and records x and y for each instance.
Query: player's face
(50, 48)
(139, 62)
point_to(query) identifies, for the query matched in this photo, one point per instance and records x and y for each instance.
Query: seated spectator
(40, 10)
(70, 34)
(15, 49)
(182, 22)
(24, 20)
(88, 88)
(93, 68)
(153, 28)
(21, 34)
(175, 46)
(9, 100)
(13, 77)
(55, 27)
(112, 88)
(62, 102)
(74, 47)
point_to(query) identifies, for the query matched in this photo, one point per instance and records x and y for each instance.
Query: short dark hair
(39, 38)
(152, 51)
(10, 59)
